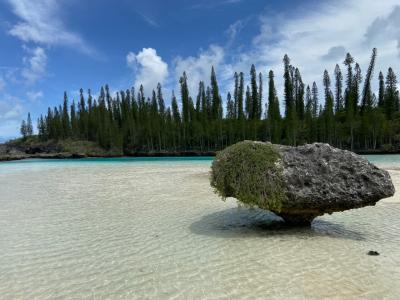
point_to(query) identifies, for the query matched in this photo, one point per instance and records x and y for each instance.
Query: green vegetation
(33, 146)
(26, 127)
(251, 173)
(353, 117)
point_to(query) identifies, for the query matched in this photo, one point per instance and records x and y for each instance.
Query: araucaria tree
(349, 116)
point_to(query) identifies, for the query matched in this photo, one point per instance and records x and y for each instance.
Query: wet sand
(157, 231)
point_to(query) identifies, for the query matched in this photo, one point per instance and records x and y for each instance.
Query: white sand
(157, 231)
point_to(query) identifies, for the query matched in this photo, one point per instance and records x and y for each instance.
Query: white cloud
(12, 111)
(335, 53)
(234, 29)
(40, 22)
(131, 60)
(9, 75)
(314, 37)
(149, 67)
(10, 108)
(34, 96)
(35, 65)
(317, 38)
(199, 67)
(388, 25)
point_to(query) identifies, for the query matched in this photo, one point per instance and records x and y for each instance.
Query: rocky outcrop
(32, 147)
(302, 182)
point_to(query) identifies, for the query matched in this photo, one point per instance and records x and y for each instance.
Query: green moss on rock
(250, 172)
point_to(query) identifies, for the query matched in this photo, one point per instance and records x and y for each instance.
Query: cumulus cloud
(311, 37)
(131, 60)
(35, 65)
(149, 68)
(314, 39)
(384, 28)
(199, 67)
(40, 22)
(335, 53)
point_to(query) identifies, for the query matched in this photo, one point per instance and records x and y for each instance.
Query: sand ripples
(142, 231)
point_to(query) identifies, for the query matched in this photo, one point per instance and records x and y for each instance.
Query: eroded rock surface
(313, 179)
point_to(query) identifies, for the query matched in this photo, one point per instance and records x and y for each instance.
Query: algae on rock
(250, 172)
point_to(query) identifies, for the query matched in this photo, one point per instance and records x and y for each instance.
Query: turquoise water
(384, 159)
(387, 159)
(113, 160)
(153, 228)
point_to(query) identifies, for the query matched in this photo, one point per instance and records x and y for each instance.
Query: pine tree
(82, 115)
(29, 127)
(203, 102)
(309, 116)
(338, 89)
(216, 98)
(236, 94)
(240, 96)
(133, 123)
(366, 102)
(184, 99)
(290, 111)
(175, 110)
(249, 104)
(328, 111)
(391, 96)
(42, 129)
(160, 99)
(299, 94)
(23, 129)
(357, 81)
(381, 95)
(351, 96)
(230, 107)
(349, 82)
(260, 96)
(65, 117)
(273, 113)
(253, 106)
(315, 101)
(288, 88)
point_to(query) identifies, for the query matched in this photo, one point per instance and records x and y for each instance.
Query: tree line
(352, 117)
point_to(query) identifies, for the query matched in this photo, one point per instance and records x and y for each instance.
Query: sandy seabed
(157, 231)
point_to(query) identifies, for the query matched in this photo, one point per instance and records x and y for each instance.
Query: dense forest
(352, 117)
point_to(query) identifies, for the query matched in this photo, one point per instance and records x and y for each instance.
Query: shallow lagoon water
(154, 229)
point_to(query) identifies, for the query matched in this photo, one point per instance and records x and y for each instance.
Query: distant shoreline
(33, 149)
(28, 149)
(61, 156)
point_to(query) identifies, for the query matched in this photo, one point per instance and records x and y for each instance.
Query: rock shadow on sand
(244, 222)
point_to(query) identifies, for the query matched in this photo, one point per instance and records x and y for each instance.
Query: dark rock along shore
(317, 179)
(33, 148)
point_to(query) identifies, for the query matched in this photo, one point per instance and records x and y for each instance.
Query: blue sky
(51, 46)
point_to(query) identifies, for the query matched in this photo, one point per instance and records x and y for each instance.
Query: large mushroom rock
(298, 183)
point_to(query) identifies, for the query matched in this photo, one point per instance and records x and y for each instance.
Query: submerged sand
(157, 231)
